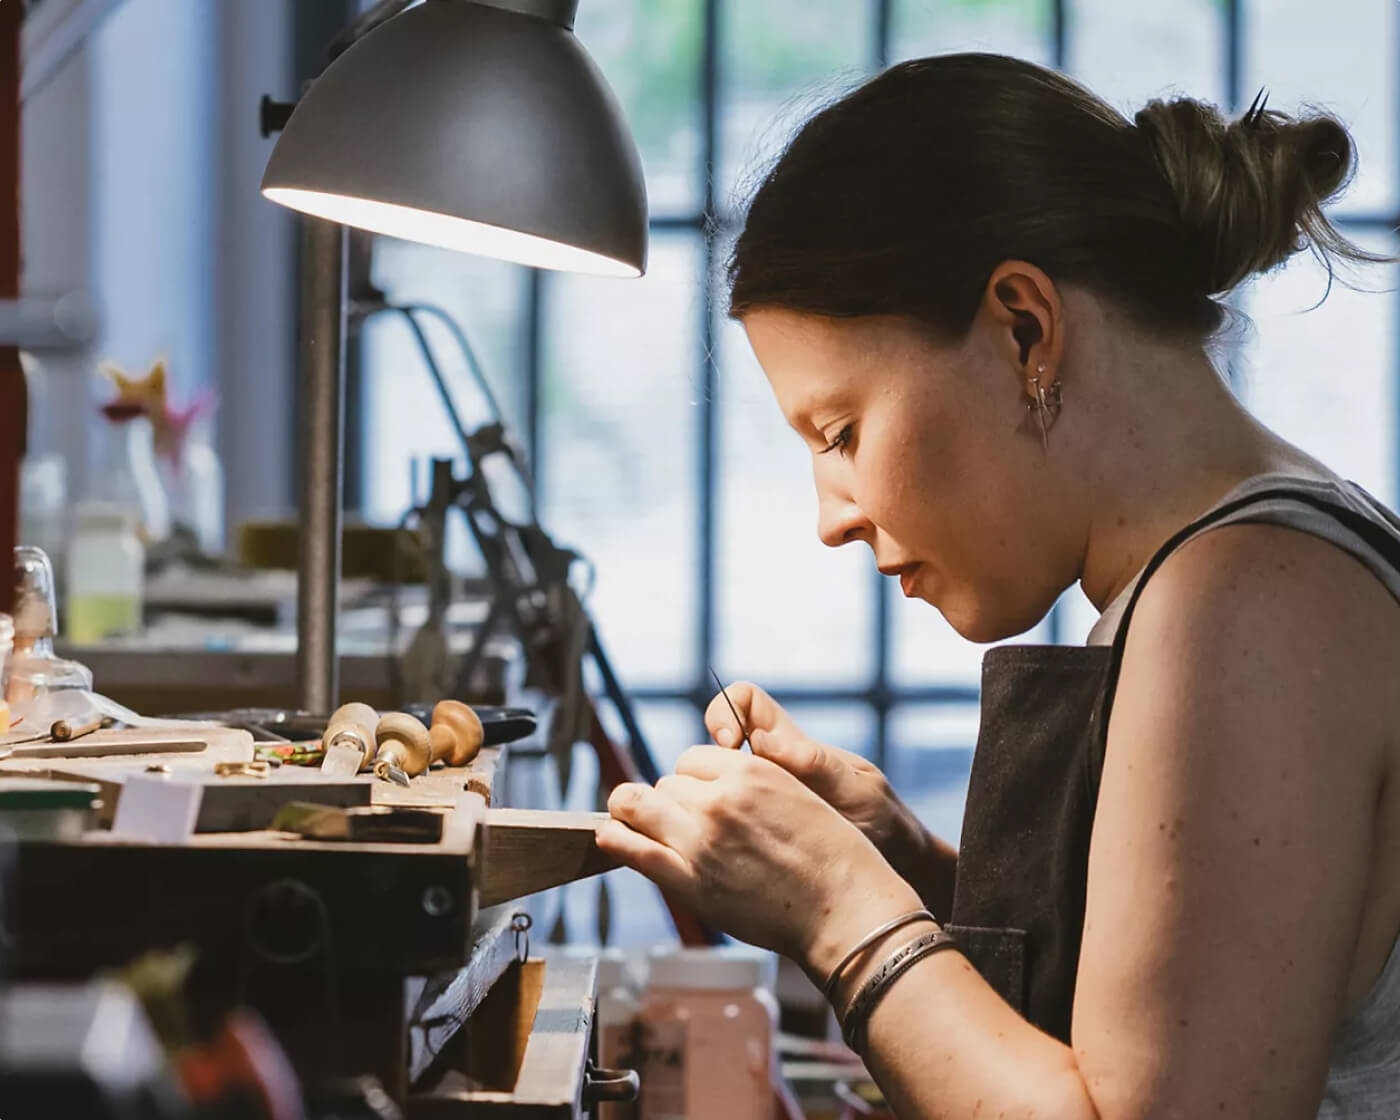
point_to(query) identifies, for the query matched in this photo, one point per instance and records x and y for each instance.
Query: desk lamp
(477, 125)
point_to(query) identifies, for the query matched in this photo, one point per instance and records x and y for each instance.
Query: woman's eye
(841, 442)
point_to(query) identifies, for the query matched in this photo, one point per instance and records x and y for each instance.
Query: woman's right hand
(854, 786)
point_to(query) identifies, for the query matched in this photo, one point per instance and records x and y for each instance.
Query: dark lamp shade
(473, 127)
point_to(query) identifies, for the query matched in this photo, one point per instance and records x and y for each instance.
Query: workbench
(380, 959)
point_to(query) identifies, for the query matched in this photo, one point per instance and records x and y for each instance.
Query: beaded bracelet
(857, 1016)
(829, 988)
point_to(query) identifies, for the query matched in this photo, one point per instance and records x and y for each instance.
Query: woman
(984, 300)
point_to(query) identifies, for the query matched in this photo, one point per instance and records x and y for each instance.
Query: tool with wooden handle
(404, 748)
(456, 734)
(349, 740)
(66, 730)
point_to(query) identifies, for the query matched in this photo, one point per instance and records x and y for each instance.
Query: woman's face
(922, 451)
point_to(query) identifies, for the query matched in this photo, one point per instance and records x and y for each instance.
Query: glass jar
(36, 602)
(35, 670)
(706, 1011)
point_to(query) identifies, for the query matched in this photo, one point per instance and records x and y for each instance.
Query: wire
(439, 382)
(410, 311)
(478, 372)
(474, 366)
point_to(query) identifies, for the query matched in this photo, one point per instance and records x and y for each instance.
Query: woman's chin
(978, 624)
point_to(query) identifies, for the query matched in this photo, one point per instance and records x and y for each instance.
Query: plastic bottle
(707, 1022)
(123, 472)
(619, 1029)
(106, 573)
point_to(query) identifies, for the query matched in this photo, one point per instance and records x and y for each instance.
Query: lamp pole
(321, 456)
(321, 452)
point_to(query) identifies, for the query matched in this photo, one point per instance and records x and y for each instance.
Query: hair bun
(1249, 192)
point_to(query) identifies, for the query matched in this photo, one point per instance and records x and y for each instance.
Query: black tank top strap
(1382, 539)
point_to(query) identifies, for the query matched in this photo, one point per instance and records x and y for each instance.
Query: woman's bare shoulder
(1229, 868)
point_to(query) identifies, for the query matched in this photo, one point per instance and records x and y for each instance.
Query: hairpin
(1255, 112)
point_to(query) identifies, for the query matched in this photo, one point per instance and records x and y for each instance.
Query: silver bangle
(829, 988)
(857, 1016)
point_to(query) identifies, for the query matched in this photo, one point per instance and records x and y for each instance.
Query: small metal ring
(520, 924)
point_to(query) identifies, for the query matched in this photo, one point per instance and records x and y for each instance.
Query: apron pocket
(1000, 956)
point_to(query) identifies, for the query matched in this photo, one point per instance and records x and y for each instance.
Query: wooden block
(481, 773)
(527, 850)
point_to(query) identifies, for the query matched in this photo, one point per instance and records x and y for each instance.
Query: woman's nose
(840, 521)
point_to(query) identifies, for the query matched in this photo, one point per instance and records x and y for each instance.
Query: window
(660, 451)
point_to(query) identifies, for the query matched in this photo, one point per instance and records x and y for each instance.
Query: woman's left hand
(746, 845)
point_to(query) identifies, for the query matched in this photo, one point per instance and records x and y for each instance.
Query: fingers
(705, 763)
(662, 865)
(649, 825)
(652, 813)
(684, 787)
(719, 720)
(757, 710)
(802, 757)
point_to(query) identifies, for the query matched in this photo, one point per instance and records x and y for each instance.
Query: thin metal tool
(65, 730)
(744, 731)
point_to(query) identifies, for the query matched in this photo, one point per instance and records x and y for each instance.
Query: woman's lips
(907, 573)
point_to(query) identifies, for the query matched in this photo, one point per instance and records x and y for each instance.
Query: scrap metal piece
(367, 824)
(254, 768)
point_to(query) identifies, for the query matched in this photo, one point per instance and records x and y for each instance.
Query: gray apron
(1018, 903)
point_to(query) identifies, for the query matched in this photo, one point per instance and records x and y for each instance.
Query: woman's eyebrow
(806, 407)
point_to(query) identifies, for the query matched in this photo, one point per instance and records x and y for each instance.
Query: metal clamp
(520, 924)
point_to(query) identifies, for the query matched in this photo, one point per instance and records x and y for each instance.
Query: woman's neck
(1189, 442)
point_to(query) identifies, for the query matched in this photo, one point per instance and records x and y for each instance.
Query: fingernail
(725, 737)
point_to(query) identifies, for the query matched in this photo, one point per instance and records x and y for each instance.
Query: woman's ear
(1024, 309)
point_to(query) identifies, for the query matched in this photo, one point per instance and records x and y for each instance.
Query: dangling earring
(1045, 404)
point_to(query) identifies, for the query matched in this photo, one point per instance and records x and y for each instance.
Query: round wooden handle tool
(403, 747)
(354, 724)
(456, 733)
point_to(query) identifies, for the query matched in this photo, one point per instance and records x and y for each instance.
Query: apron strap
(1371, 532)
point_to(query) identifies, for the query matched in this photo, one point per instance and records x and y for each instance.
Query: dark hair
(902, 197)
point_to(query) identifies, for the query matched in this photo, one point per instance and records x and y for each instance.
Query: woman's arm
(1227, 871)
(1228, 865)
